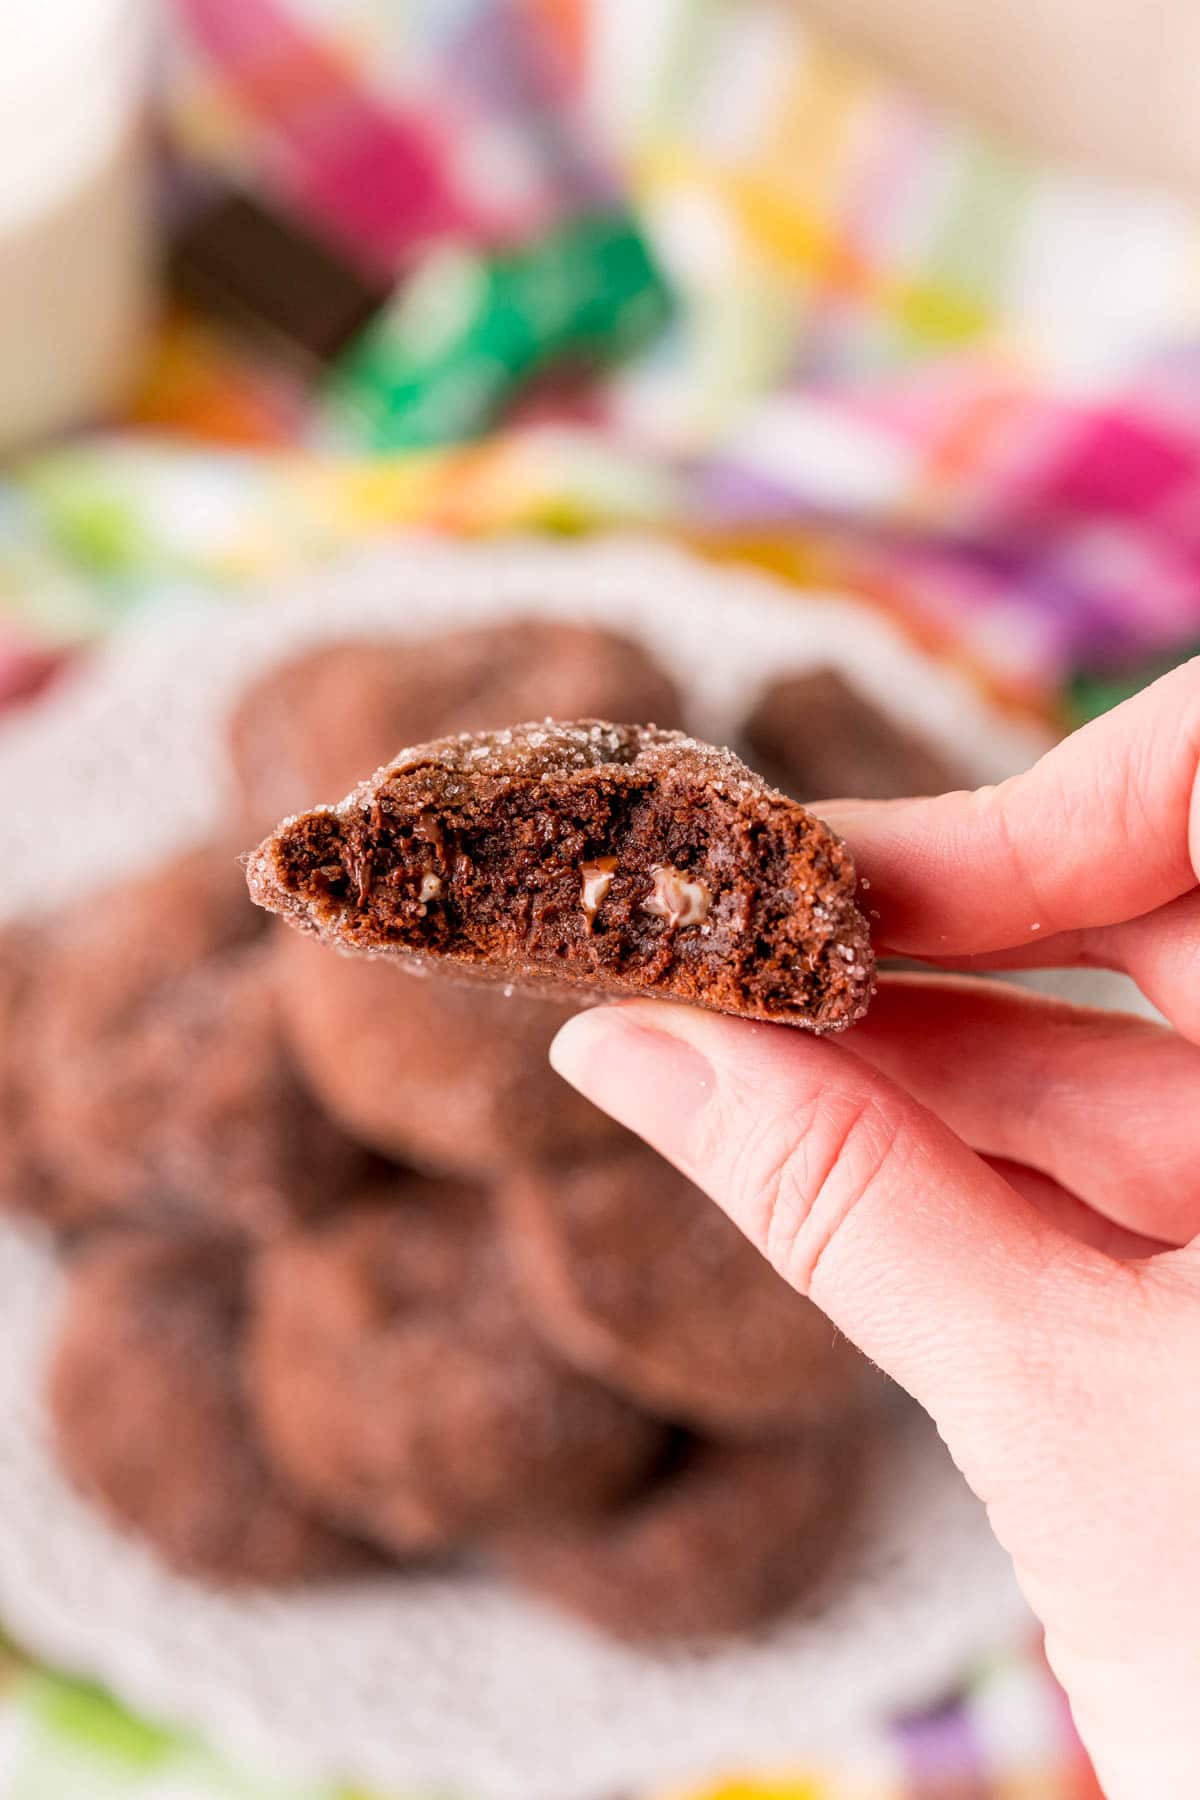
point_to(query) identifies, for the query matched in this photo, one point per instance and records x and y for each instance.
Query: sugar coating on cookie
(818, 735)
(399, 1382)
(311, 727)
(27, 1185)
(187, 1104)
(109, 950)
(721, 891)
(21, 948)
(150, 1420)
(725, 1543)
(448, 1076)
(638, 1277)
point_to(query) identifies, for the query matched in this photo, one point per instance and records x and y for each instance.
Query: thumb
(1053, 1371)
(923, 1255)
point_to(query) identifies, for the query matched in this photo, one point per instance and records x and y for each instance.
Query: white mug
(75, 280)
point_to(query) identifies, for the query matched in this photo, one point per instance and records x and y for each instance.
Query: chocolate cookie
(150, 1420)
(312, 727)
(618, 859)
(112, 949)
(730, 1540)
(19, 948)
(637, 1277)
(818, 736)
(434, 1073)
(26, 1186)
(69, 987)
(399, 1384)
(187, 1104)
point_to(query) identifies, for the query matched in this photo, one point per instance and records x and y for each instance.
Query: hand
(997, 1195)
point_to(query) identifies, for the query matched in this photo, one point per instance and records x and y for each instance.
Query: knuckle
(801, 1178)
(994, 806)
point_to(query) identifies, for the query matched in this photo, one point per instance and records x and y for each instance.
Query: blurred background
(899, 305)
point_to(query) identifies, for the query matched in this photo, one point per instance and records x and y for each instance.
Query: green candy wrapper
(466, 332)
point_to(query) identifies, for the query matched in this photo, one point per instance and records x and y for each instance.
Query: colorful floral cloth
(904, 359)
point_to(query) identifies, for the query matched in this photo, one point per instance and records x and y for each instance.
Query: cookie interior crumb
(618, 858)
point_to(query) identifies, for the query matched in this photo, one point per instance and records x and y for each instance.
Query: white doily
(403, 1682)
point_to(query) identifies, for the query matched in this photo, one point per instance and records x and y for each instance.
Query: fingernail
(645, 1078)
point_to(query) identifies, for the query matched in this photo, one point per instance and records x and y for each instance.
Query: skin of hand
(997, 1195)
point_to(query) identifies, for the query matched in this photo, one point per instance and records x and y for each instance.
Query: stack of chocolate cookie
(354, 1279)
